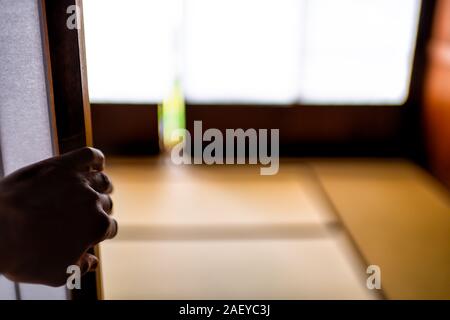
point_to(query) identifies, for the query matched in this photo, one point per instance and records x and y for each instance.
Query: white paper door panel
(25, 134)
(7, 290)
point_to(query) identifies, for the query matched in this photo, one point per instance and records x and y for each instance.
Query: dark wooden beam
(66, 64)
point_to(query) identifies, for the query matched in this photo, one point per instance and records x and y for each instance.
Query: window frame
(313, 129)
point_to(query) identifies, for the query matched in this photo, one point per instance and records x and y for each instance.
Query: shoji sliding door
(25, 119)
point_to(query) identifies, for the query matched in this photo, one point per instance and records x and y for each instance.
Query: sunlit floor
(225, 232)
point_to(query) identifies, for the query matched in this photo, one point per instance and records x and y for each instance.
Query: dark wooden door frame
(68, 98)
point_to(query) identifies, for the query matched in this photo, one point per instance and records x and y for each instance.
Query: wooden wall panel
(437, 95)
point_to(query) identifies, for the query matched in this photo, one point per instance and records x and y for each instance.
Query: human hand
(51, 213)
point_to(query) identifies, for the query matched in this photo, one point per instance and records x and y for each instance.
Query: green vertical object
(172, 115)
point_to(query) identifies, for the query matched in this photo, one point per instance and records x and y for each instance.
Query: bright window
(251, 51)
